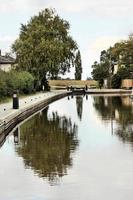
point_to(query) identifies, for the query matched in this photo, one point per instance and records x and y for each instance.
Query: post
(86, 87)
(43, 87)
(15, 100)
(67, 88)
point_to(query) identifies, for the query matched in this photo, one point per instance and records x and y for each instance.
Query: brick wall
(127, 83)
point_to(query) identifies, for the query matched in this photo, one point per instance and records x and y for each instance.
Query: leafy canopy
(121, 54)
(78, 66)
(44, 47)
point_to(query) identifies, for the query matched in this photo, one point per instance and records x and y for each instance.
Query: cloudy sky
(95, 24)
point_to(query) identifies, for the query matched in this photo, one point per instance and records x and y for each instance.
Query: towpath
(6, 109)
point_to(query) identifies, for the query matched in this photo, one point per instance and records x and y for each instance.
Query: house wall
(5, 67)
(115, 69)
(127, 83)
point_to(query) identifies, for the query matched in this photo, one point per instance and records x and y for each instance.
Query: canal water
(78, 148)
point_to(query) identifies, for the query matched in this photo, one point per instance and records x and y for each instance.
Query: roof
(6, 60)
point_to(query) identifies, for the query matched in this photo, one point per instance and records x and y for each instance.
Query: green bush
(3, 88)
(116, 81)
(3, 85)
(13, 80)
(26, 82)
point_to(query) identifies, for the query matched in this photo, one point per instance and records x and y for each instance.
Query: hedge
(13, 80)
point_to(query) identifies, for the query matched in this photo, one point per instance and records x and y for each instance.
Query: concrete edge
(10, 122)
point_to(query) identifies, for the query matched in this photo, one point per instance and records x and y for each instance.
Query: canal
(78, 148)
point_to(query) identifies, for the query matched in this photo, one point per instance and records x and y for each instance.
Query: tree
(116, 81)
(124, 72)
(78, 66)
(79, 106)
(25, 82)
(100, 72)
(44, 47)
(122, 55)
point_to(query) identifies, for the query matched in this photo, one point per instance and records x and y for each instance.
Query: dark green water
(76, 149)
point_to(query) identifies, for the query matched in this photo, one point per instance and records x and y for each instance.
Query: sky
(94, 24)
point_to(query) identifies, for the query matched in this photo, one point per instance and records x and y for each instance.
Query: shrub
(116, 81)
(26, 82)
(13, 80)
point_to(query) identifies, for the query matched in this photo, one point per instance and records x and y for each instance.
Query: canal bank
(10, 117)
(108, 91)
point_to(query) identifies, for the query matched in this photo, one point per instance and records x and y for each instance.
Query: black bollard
(15, 101)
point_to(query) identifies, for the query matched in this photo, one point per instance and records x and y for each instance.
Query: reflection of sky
(89, 119)
(102, 166)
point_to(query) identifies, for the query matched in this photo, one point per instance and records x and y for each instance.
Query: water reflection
(103, 107)
(79, 105)
(120, 110)
(102, 168)
(16, 134)
(47, 143)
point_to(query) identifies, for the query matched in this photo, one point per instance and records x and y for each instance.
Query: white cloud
(5, 42)
(105, 42)
(7, 38)
(96, 7)
(102, 7)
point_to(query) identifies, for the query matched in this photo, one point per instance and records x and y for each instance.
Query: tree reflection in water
(47, 144)
(119, 109)
(79, 105)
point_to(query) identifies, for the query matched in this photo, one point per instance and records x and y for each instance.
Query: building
(6, 62)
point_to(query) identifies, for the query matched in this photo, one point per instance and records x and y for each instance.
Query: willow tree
(45, 47)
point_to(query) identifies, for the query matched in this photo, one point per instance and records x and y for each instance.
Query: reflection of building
(117, 115)
(126, 101)
(106, 103)
(116, 67)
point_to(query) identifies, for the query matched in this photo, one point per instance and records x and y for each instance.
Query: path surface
(6, 108)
